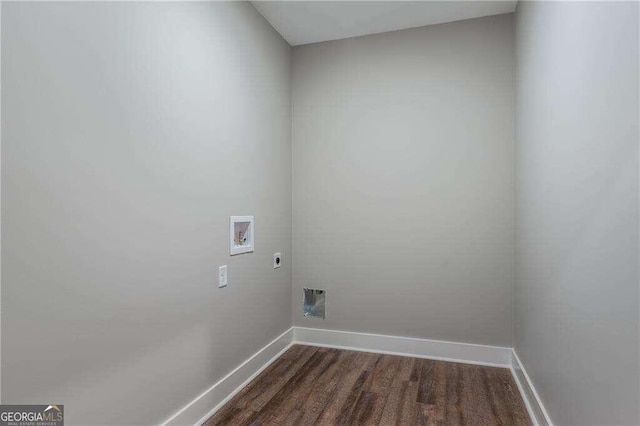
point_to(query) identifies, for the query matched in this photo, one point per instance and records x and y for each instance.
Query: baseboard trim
(199, 410)
(531, 398)
(467, 353)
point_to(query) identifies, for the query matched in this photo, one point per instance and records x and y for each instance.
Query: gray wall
(124, 125)
(577, 208)
(403, 181)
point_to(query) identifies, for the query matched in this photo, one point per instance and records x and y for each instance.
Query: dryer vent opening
(313, 303)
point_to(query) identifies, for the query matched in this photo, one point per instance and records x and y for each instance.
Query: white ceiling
(303, 22)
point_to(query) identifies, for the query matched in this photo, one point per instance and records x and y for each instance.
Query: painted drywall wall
(131, 132)
(403, 181)
(576, 296)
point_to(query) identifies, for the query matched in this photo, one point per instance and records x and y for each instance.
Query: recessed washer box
(241, 234)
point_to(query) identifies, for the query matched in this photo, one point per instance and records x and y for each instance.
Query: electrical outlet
(277, 260)
(222, 276)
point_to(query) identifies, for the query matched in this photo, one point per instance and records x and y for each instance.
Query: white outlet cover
(222, 276)
(277, 260)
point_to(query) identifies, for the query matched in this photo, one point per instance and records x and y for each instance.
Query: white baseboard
(467, 353)
(200, 409)
(212, 399)
(531, 399)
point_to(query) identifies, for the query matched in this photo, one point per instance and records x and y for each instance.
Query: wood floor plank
(505, 397)
(352, 397)
(326, 388)
(435, 395)
(364, 409)
(342, 391)
(377, 409)
(405, 369)
(299, 393)
(254, 396)
(475, 401)
(274, 379)
(293, 419)
(409, 394)
(427, 381)
(309, 385)
(376, 390)
(383, 373)
(283, 402)
(453, 413)
(391, 407)
(496, 396)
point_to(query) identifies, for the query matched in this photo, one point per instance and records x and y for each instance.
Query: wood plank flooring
(310, 385)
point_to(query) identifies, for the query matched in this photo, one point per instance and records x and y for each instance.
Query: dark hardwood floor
(309, 385)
